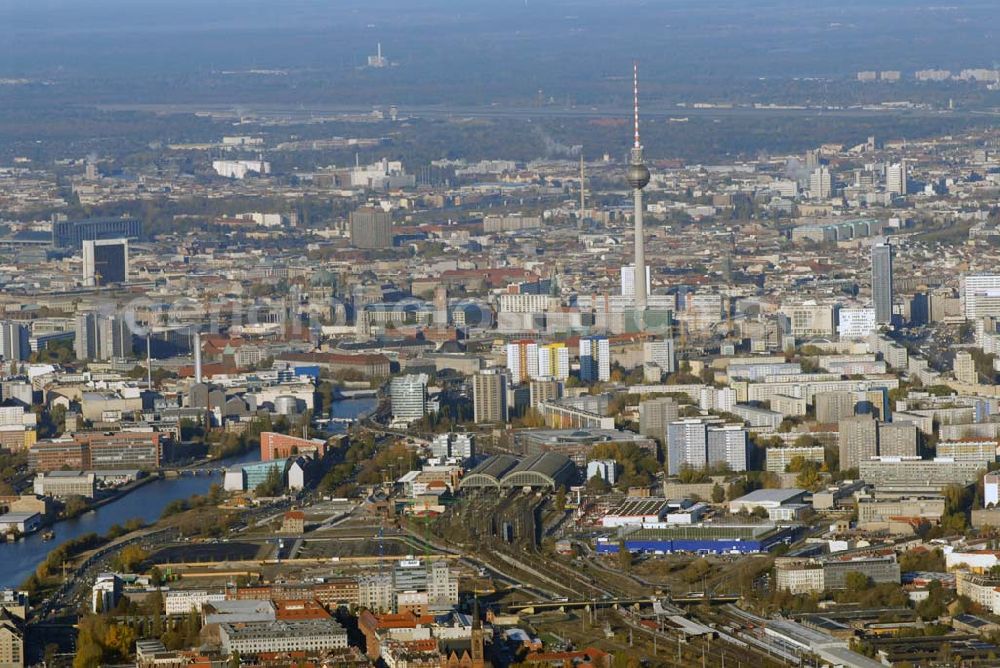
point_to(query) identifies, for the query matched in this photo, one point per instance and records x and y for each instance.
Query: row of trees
(108, 637)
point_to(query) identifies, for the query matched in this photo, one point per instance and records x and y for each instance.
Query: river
(20, 559)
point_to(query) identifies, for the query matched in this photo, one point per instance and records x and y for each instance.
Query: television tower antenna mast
(638, 178)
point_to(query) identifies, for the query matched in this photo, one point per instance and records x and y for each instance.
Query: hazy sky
(555, 45)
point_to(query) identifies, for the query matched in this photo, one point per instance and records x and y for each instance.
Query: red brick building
(294, 522)
(282, 446)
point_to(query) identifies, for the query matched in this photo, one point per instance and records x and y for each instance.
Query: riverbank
(124, 490)
(144, 502)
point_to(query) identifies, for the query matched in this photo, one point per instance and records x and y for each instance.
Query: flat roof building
(767, 499)
(61, 484)
(912, 475)
(310, 635)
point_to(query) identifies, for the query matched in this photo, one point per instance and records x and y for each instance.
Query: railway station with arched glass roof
(544, 470)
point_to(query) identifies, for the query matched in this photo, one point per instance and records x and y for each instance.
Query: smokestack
(149, 364)
(197, 357)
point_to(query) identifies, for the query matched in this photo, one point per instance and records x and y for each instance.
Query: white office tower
(628, 281)
(981, 296)
(408, 395)
(820, 183)
(660, 353)
(896, 178)
(687, 445)
(595, 359)
(457, 446)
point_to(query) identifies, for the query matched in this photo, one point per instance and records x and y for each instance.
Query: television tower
(638, 178)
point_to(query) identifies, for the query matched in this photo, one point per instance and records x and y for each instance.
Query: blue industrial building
(699, 539)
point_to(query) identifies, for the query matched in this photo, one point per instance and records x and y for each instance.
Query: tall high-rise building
(102, 337)
(896, 178)
(833, 407)
(522, 361)
(898, 439)
(595, 359)
(727, 444)
(489, 396)
(553, 361)
(965, 368)
(85, 341)
(687, 445)
(920, 308)
(655, 415)
(371, 228)
(14, 344)
(638, 178)
(820, 183)
(882, 282)
(696, 444)
(409, 396)
(812, 160)
(105, 261)
(857, 440)
(628, 281)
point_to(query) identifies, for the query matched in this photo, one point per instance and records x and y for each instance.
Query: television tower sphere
(637, 175)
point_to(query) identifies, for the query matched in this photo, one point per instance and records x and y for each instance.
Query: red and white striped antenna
(635, 99)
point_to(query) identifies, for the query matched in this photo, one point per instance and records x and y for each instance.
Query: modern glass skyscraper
(882, 282)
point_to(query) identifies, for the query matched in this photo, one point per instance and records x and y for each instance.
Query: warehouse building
(62, 484)
(699, 539)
